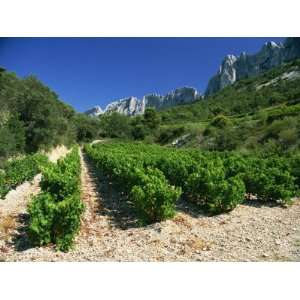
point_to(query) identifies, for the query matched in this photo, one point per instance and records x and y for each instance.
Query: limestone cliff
(133, 106)
(234, 68)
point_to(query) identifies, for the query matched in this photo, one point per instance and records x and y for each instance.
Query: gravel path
(13, 207)
(109, 232)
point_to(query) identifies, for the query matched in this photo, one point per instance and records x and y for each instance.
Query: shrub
(59, 184)
(220, 121)
(41, 211)
(67, 221)
(270, 182)
(288, 137)
(209, 188)
(153, 197)
(225, 195)
(176, 168)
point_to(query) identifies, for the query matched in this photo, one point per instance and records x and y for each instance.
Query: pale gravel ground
(15, 203)
(249, 233)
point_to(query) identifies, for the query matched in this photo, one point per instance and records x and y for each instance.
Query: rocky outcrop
(94, 112)
(234, 68)
(127, 106)
(133, 106)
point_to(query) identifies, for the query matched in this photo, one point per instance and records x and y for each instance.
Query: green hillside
(244, 97)
(32, 117)
(259, 113)
(254, 112)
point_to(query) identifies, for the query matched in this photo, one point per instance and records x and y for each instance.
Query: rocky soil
(110, 232)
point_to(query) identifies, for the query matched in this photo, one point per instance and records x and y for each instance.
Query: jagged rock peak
(234, 68)
(128, 106)
(95, 111)
(133, 106)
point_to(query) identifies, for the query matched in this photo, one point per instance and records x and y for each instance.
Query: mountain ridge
(131, 106)
(232, 69)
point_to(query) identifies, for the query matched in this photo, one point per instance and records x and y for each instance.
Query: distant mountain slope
(278, 85)
(234, 68)
(95, 111)
(133, 106)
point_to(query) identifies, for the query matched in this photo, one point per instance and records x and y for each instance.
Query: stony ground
(110, 232)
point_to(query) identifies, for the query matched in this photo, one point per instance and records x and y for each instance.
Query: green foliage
(169, 134)
(138, 129)
(294, 164)
(4, 188)
(41, 211)
(220, 121)
(270, 179)
(151, 119)
(115, 125)
(46, 119)
(87, 128)
(33, 118)
(12, 137)
(17, 171)
(210, 187)
(248, 115)
(216, 181)
(153, 197)
(55, 213)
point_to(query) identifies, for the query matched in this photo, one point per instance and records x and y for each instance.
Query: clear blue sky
(94, 71)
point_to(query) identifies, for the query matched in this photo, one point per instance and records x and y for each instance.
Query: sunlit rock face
(133, 106)
(234, 68)
(179, 96)
(94, 112)
(127, 106)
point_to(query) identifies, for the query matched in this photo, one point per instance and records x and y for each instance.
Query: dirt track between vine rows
(110, 232)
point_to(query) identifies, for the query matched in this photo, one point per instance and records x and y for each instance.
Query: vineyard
(17, 171)
(54, 214)
(80, 200)
(152, 181)
(154, 177)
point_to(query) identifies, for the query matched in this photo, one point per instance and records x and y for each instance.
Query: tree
(151, 119)
(115, 125)
(87, 128)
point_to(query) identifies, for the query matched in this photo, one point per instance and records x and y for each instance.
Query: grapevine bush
(17, 171)
(153, 197)
(54, 214)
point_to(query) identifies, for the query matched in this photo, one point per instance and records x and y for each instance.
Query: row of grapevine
(216, 181)
(54, 214)
(153, 197)
(17, 171)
